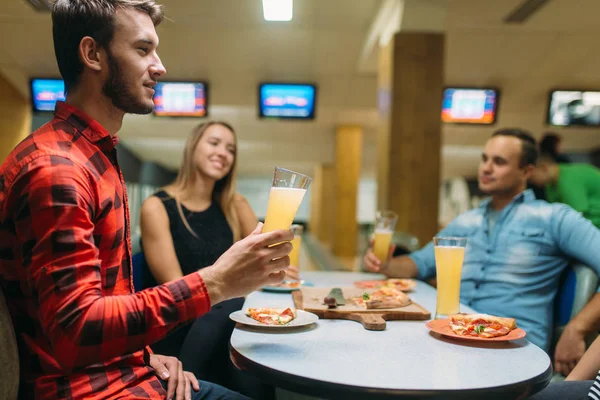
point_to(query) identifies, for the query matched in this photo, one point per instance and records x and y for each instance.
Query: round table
(340, 359)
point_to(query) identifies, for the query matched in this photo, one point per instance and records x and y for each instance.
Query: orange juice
(282, 208)
(381, 243)
(448, 264)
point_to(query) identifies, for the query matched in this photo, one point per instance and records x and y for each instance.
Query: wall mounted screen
(285, 100)
(574, 108)
(46, 92)
(469, 106)
(181, 99)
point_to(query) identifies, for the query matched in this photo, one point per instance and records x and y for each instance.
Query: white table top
(338, 358)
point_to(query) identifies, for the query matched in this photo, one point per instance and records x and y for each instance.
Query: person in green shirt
(577, 185)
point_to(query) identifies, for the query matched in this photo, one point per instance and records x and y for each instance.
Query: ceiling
(228, 44)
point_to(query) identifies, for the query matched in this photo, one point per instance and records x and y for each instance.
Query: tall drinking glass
(297, 230)
(449, 257)
(286, 194)
(385, 223)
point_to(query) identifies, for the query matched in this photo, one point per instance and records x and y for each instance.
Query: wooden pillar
(348, 155)
(384, 100)
(410, 85)
(15, 118)
(322, 211)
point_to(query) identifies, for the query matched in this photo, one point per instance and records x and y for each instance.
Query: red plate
(442, 326)
(404, 285)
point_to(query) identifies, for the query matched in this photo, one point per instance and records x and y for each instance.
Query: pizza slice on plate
(401, 284)
(383, 298)
(290, 284)
(481, 325)
(271, 316)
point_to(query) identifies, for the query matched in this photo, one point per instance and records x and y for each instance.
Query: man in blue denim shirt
(517, 248)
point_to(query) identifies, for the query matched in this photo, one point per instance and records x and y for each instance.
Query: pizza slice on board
(383, 298)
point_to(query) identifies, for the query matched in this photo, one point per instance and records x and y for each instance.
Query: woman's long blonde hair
(224, 190)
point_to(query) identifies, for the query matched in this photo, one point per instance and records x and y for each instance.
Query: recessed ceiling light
(278, 10)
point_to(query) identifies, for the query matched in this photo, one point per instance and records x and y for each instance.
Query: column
(348, 155)
(410, 85)
(322, 211)
(15, 118)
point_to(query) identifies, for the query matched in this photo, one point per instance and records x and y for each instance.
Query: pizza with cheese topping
(385, 297)
(271, 316)
(481, 325)
(404, 285)
(290, 284)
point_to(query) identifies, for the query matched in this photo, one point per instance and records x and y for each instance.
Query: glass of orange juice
(385, 223)
(297, 230)
(287, 191)
(449, 257)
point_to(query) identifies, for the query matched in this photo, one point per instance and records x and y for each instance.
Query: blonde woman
(186, 226)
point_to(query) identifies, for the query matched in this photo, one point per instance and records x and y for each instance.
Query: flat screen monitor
(469, 106)
(574, 108)
(46, 92)
(181, 99)
(287, 100)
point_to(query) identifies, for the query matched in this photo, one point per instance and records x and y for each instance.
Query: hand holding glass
(286, 194)
(385, 223)
(449, 257)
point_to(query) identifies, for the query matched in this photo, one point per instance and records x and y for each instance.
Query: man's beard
(117, 90)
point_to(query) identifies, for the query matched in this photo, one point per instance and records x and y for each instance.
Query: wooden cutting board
(311, 299)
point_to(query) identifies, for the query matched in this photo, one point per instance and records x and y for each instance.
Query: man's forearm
(400, 267)
(588, 319)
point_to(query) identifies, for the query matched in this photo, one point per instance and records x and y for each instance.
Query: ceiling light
(278, 10)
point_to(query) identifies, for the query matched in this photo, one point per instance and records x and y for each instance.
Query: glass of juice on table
(385, 223)
(449, 257)
(297, 230)
(286, 194)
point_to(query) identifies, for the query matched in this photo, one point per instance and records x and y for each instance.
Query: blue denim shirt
(514, 270)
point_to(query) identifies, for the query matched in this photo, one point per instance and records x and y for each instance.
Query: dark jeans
(203, 348)
(211, 391)
(205, 352)
(567, 390)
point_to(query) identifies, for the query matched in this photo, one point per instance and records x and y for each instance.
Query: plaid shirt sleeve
(53, 203)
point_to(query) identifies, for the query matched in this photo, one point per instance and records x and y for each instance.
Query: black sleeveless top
(213, 236)
(203, 345)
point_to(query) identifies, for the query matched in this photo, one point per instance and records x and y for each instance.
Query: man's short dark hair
(72, 20)
(529, 152)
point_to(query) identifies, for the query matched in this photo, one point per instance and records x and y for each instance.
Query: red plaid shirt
(65, 268)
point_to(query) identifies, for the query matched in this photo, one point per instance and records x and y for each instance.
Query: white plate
(302, 318)
(279, 289)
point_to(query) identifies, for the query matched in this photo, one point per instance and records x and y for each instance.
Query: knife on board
(335, 298)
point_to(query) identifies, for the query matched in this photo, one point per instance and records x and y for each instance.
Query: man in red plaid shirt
(65, 247)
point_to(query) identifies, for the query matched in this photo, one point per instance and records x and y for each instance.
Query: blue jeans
(211, 391)
(566, 390)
